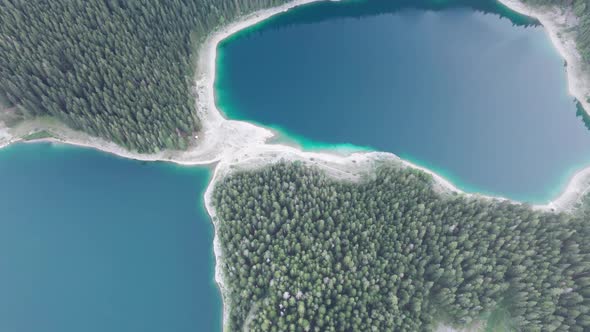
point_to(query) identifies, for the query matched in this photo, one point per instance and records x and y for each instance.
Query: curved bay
(469, 89)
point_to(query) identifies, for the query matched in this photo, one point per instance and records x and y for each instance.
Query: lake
(468, 89)
(91, 242)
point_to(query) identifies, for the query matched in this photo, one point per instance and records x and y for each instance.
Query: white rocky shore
(241, 145)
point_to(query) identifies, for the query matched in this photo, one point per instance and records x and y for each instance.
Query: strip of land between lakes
(238, 145)
(231, 142)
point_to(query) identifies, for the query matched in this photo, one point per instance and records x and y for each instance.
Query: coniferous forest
(121, 70)
(303, 252)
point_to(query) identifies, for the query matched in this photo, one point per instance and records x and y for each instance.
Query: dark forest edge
(306, 252)
(123, 70)
(120, 70)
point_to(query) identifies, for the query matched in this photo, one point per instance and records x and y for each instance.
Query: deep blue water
(466, 88)
(90, 242)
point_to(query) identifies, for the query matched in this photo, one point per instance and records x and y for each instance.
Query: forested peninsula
(120, 70)
(306, 252)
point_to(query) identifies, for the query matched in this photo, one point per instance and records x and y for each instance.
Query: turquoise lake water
(466, 88)
(91, 242)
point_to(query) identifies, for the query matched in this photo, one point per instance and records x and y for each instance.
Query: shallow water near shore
(471, 90)
(93, 242)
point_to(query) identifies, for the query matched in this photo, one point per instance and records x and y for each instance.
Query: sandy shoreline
(237, 144)
(558, 24)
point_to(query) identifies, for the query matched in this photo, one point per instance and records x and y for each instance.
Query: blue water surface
(91, 242)
(469, 89)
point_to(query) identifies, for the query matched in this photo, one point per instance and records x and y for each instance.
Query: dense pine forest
(121, 70)
(304, 252)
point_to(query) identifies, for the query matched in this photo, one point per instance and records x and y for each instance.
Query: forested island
(120, 70)
(306, 252)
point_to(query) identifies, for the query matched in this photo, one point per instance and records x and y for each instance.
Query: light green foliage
(389, 254)
(38, 135)
(121, 70)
